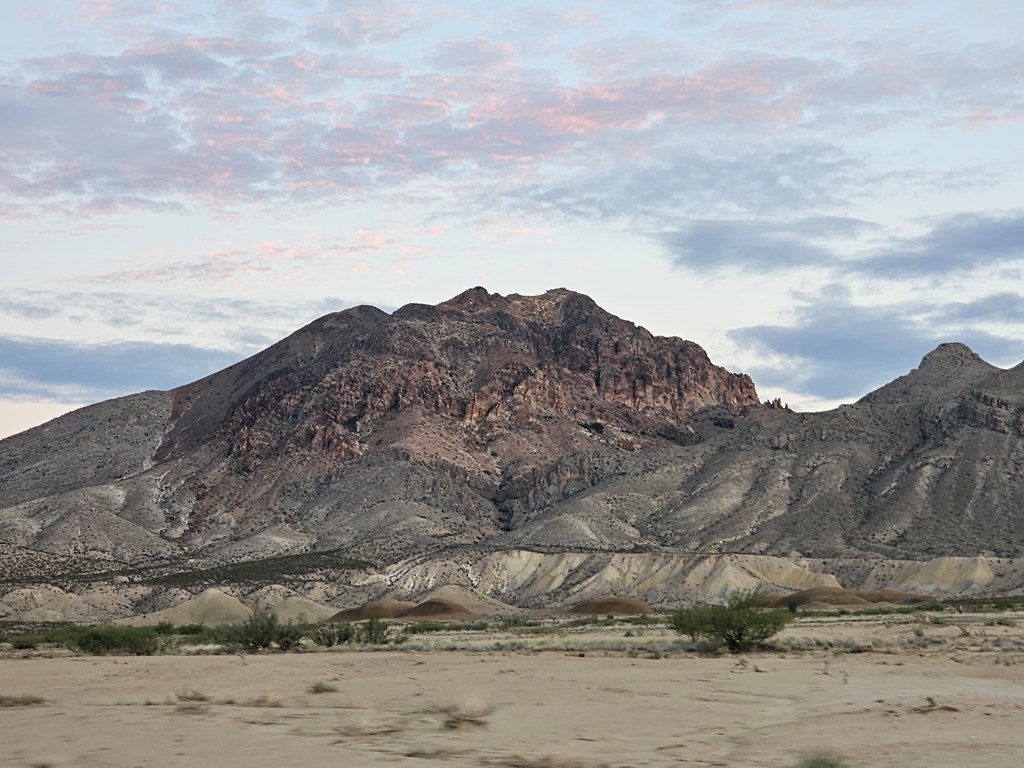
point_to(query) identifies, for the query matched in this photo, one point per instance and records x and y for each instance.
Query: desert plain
(906, 690)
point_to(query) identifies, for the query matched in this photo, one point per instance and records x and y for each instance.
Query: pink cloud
(180, 119)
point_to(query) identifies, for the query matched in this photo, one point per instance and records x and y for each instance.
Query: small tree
(740, 624)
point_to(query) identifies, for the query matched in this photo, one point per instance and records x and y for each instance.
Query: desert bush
(694, 621)
(115, 641)
(513, 622)
(427, 627)
(169, 628)
(289, 635)
(374, 632)
(739, 624)
(330, 635)
(263, 631)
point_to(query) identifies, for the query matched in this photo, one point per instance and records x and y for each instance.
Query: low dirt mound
(895, 596)
(288, 604)
(474, 601)
(439, 608)
(377, 609)
(212, 608)
(831, 597)
(613, 605)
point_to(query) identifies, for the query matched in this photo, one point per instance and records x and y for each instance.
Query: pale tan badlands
(944, 696)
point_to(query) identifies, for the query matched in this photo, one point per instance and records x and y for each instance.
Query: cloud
(953, 243)
(761, 180)
(765, 246)
(362, 99)
(833, 348)
(473, 56)
(17, 305)
(1004, 307)
(241, 325)
(351, 24)
(48, 368)
(961, 243)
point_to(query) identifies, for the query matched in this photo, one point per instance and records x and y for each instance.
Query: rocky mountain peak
(473, 300)
(448, 382)
(951, 356)
(946, 370)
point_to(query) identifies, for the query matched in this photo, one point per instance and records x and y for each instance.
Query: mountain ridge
(492, 423)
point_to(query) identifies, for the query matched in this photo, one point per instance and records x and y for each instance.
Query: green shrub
(513, 622)
(695, 621)
(374, 632)
(168, 628)
(263, 631)
(427, 627)
(112, 640)
(330, 635)
(740, 624)
(289, 635)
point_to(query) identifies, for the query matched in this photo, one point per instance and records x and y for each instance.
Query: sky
(818, 192)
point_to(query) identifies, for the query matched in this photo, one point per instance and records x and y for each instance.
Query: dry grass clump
(190, 695)
(20, 700)
(261, 701)
(823, 760)
(466, 715)
(321, 687)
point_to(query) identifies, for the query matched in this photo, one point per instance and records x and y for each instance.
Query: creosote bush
(374, 632)
(115, 641)
(330, 635)
(263, 631)
(740, 624)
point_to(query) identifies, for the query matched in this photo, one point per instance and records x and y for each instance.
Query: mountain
(529, 446)
(389, 434)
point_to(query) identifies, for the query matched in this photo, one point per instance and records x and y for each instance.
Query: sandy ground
(935, 707)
